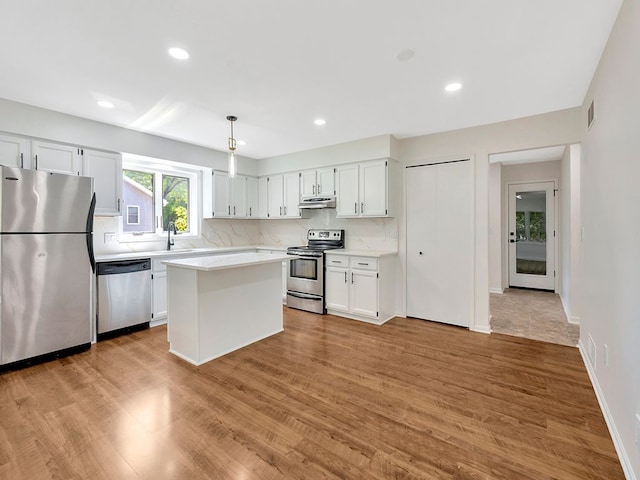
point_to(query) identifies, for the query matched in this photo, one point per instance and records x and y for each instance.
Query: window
(133, 215)
(156, 193)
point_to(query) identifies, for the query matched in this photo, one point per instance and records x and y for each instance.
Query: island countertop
(222, 262)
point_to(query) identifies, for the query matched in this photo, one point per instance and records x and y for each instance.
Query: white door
(239, 192)
(55, 158)
(440, 242)
(275, 194)
(337, 288)
(308, 184)
(364, 293)
(531, 235)
(106, 170)
(221, 203)
(263, 198)
(373, 191)
(291, 194)
(326, 182)
(252, 197)
(347, 191)
(13, 152)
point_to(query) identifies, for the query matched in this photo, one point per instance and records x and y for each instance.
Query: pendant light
(232, 149)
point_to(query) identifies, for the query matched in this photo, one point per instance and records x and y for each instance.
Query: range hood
(318, 202)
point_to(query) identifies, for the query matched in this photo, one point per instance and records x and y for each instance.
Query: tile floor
(532, 314)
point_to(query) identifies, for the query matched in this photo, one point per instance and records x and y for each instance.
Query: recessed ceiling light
(319, 121)
(453, 87)
(405, 55)
(105, 104)
(178, 53)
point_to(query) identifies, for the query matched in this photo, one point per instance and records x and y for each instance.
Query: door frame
(505, 236)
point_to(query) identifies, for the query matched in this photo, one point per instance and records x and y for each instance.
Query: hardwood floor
(329, 398)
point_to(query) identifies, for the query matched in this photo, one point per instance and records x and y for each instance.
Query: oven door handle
(305, 296)
(301, 255)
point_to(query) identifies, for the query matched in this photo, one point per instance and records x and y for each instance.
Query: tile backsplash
(360, 233)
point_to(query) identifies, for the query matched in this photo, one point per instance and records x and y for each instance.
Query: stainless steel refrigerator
(46, 262)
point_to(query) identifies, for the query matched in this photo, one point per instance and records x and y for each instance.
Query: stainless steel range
(305, 280)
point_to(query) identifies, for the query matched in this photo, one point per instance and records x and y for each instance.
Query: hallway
(533, 314)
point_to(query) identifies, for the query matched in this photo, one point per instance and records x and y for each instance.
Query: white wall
(610, 173)
(555, 128)
(526, 172)
(496, 235)
(570, 246)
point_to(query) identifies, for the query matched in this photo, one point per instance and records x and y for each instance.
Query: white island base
(222, 303)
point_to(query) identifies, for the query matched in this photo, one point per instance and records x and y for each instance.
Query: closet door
(440, 242)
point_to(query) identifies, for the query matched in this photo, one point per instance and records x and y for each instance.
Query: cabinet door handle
(21, 160)
(229, 210)
(36, 162)
(361, 263)
(118, 205)
(351, 277)
(355, 208)
(345, 277)
(234, 210)
(361, 207)
(285, 210)
(318, 190)
(313, 189)
(280, 211)
(250, 211)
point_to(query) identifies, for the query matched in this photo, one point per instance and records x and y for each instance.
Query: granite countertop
(362, 253)
(184, 252)
(221, 262)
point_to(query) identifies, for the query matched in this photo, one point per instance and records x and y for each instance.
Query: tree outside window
(175, 202)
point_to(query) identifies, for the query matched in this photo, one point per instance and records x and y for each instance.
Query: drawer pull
(361, 263)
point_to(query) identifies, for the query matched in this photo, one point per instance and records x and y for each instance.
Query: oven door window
(304, 268)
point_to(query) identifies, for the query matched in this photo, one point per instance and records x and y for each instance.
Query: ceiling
(279, 65)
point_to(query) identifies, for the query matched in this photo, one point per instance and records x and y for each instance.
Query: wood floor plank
(327, 398)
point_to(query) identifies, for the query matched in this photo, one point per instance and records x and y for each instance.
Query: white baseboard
(625, 461)
(570, 318)
(496, 290)
(483, 329)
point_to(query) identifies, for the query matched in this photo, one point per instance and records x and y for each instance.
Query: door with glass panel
(531, 235)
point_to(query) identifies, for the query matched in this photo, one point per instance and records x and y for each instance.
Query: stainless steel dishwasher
(124, 297)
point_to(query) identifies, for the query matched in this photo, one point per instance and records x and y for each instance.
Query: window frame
(160, 167)
(137, 214)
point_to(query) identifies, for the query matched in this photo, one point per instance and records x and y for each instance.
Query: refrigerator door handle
(89, 231)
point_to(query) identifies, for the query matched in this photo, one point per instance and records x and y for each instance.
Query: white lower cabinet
(159, 292)
(360, 287)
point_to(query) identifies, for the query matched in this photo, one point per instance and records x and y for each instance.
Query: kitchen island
(218, 304)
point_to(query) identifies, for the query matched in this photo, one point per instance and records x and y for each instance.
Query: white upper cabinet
(316, 183)
(263, 197)
(229, 195)
(14, 152)
(362, 189)
(239, 196)
(347, 196)
(106, 170)
(55, 158)
(275, 199)
(291, 195)
(253, 210)
(283, 192)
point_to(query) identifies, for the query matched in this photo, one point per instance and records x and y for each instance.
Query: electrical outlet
(109, 237)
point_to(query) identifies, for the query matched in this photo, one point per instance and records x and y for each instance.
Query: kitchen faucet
(171, 226)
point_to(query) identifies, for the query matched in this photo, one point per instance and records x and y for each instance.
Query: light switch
(109, 237)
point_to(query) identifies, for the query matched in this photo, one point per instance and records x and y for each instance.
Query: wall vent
(590, 115)
(591, 351)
